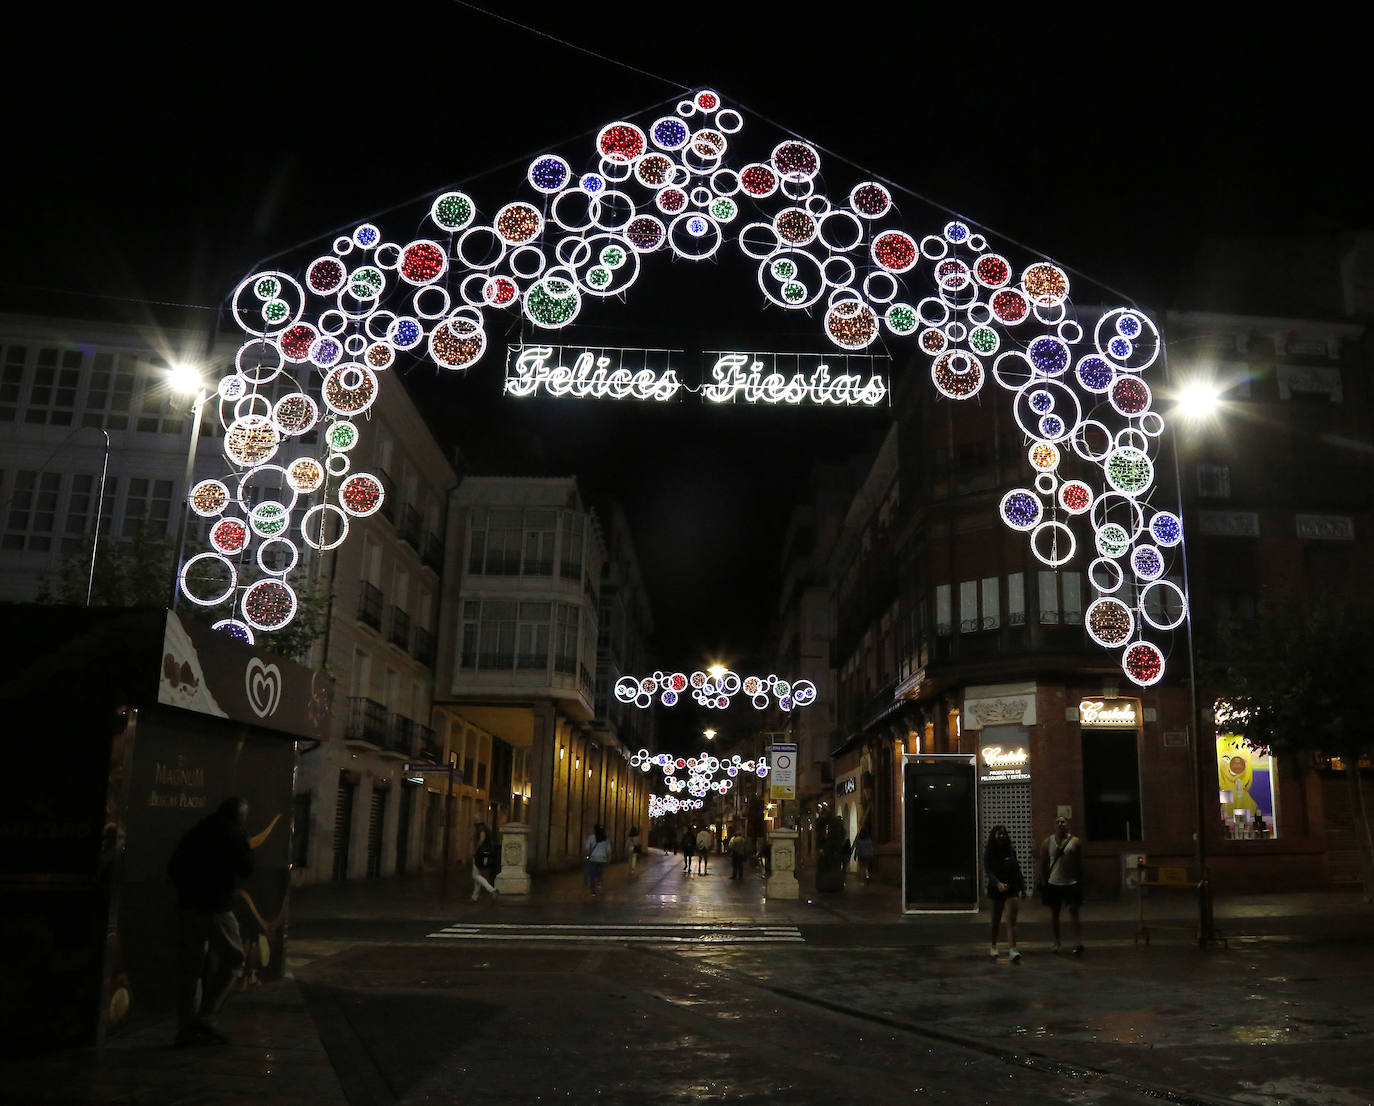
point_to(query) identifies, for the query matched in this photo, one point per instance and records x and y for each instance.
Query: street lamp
(186, 380)
(710, 735)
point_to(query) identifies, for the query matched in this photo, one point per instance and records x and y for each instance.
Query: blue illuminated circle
(669, 133)
(956, 231)
(549, 174)
(697, 226)
(1147, 562)
(367, 235)
(1128, 326)
(1166, 528)
(1020, 509)
(405, 333)
(1041, 401)
(591, 182)
(1052, 426)
(1120, 348)
(1049, 355)
(1094, 373)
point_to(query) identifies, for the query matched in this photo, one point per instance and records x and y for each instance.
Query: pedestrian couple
(698, 843)
(1059, 875)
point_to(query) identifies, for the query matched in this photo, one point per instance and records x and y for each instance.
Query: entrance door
(376, 819)
(940, 840)
(343, 827)
(403, 826)
(1111, 785)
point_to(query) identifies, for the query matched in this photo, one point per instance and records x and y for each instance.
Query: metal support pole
(186, 491)
(99, 506)
(448, 824)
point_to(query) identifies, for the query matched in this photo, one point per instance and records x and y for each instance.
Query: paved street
(689, 989)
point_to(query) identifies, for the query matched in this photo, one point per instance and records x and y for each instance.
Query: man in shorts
(1060, 864)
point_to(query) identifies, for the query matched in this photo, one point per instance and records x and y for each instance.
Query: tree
(1292, 679)
(139, 573)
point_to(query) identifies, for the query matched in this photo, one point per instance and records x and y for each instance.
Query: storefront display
(1246, 790)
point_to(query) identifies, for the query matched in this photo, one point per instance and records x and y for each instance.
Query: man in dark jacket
(210, 856)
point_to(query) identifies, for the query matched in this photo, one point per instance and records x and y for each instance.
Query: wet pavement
(694, 989)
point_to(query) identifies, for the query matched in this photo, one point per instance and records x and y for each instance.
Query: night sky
(154, 164)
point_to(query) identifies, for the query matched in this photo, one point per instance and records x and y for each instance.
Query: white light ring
(359, 478)
(366, 388)
(245, 460)
(955, 332)
(247, 406)
(220, 492)
(796, 190)
(700, 196)
(959, 299)
(817, 206)
(1143, 646)
(1022, 496)
(388, 256)
(337, 464)
(615, 172)
(1133, 437)
(462, 247)
(1103, 504)
(343, 245)
(366, 236)
(729, 121)
(271, 330)
(1107, 602)
(232, 386)
(331, 289)
(1079, 440)
(564, 219)
(321, 508)
(758, 241)
(773, 185)
(766, 280)
(334, 322)
(1049, 315)
(353, 309)
(295, 556)
(354, 344)
(491, 289)
(263, 585)
(614, 211)
(670, 146)
(1070, 332)
(616, 157)
(248, 361)
(725, 182)
(1116, 576)
(831, 237)
(1151, 424)
(932, 312)
(795, 174)
(1148, 338)
(713, 238)
(844, 276)
(975, 373)
(233, 624)
(1053, 558)
(933, 248)
(257, 470)
(432, 292)
(1052, 386)
(624, 275)
(299, 397)
(472, 288)
(901, 330)
(572, 252)
(1046, 483)
(887, 295)
(186, 568)
(899, 235)
(1182, 604)
(978, 314)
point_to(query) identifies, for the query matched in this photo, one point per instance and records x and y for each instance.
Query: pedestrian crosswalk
(640, 934)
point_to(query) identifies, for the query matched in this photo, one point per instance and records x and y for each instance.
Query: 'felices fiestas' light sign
(793, 379)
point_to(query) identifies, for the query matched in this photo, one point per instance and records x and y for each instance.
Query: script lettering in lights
(731, 382)
(594, 374)
(1108, 712)
(998, 763)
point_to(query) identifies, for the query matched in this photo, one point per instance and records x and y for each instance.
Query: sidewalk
(277, 1055)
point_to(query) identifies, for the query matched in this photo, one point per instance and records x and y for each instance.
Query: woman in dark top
(1005, 887)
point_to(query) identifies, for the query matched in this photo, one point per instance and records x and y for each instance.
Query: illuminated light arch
(667, 185)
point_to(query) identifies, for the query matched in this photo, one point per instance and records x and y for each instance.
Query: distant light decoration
(405, 333)
(1044, 456)
(1021, 509)
(453, 211)
(670, 200)
(269, 519)
(367, 236)
(851, 324)
(654, 170)
(500, 291)
(518, 223)
(984, 340)
(209, 497)
(361, 495)
(1109, 622)
(870, 200)
(349, 389)
(1045, 284)
(366, 282)
(1143, 663)
(268, 605)
(239, 631)
(457, 343)
(325, 352)
(795, 226)
(552, 302)
(956, 231)
(422, 262)
(1166, 528)
(895, 251)
(229, 535)
(707, 100)
(714, 691)
(1112, 540)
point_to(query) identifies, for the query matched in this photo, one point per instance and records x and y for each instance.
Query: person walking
(689, 846)
(1006, 887)
(598, 857)
(739, 851)
(587, 847)
(210, 856)
(632, 848)
(863, 852)
(1061, 872)
(705, 843)
(483, 864)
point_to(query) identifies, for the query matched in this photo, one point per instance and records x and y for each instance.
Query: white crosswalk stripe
(644, 934)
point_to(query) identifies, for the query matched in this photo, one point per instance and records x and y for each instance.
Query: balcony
(401, 739)
(426, 746)
(433, 553)
(370, 606)
(366, 722)
(400, 628)
(409, 525)
(423, 646)
(388, 510)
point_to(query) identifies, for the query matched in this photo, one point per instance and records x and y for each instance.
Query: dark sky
(153, 160)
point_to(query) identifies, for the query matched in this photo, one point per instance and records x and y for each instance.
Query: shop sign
(1003, 764)
(782, 780)
(1109, 712)
(846, 786)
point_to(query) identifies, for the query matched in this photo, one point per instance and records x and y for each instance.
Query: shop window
(1247, 790)
(1111, 785)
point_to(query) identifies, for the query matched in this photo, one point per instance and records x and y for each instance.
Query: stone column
(514, 879)
(782, 884)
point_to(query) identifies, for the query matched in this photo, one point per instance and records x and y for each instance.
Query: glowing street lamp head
(717, 671)
(184, 379)
(710, 735)
(1198, 400)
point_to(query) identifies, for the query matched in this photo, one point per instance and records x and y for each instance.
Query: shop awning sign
(782, 781)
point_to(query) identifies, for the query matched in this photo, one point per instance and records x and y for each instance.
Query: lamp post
(1195, 401)
(185, 380)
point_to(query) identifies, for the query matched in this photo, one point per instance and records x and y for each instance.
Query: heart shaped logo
(263, 684)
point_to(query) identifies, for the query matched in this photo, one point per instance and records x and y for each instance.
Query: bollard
(782, 883)
(513, 879)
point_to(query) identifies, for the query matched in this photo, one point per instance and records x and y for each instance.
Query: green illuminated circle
(901, 318)
(784, 269)
(266, 288)
(274, 311)
(552, 302)
(366, 283)
(1129, 470)
(984, 339)
(1112, 540)
(343, 436)
(794, 291)
(724, 209)
(453, 212)
(599, 277)
(613, 257)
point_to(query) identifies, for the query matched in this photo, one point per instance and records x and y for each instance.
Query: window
(494, 541)
(574, 527)
(1016, 599)
(496, 642)
(565, 639)
(52, 396)
(1061, 598)
(1247, 790)
(11, 380)
(81, 503)
(111, 392)
(944, 617)
(149, 504)
(532, 635)
(1214, 481)
(33, 511)
(1111, 785)
(539, 534)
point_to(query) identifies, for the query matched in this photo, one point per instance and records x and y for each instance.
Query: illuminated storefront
(1246, 790)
